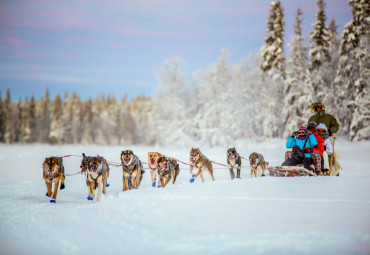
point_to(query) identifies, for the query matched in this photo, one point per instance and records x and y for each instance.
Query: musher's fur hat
(314, 105)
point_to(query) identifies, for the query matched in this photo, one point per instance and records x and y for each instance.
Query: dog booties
(192, 178)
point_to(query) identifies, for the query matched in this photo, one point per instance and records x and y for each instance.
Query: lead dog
(167, 169)
(234, 160)
(258, 164)
(53, 171)
(200, 161)
(97, 176)
(153, 165)
(132, 170)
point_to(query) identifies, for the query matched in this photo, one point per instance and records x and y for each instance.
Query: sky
(117, 47)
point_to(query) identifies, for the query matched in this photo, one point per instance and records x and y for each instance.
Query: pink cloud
(11, 40)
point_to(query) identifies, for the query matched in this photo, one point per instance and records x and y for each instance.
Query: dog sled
(289, 171)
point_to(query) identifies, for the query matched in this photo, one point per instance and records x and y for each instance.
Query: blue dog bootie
(53, 201)
(90, 198)
(153, 183)
(107, 185)
(192, 178)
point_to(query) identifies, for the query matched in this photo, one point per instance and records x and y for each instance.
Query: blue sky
(116, 47)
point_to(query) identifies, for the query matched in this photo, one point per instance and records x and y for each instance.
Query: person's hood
(322, 126)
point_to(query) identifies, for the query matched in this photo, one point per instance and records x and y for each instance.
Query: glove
(324, 147)
(294, 134)
(330, 133)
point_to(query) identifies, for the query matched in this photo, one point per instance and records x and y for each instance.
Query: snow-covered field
(302, 215)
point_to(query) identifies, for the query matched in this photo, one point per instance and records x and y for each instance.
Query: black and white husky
(234, 161)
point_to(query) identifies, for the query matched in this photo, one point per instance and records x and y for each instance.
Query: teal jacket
(311, 142)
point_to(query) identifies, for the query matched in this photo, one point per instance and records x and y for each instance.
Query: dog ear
(83, 154)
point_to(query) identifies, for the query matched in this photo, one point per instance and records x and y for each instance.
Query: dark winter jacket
(329, 120)
(311, 142)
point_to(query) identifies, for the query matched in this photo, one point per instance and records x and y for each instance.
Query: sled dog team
(96, 170)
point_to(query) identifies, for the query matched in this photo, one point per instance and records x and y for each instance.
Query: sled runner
(289, 171)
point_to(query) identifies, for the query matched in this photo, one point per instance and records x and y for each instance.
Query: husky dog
(153, 165)
(167, 169)
(200, 161)
(132, 170)
(53, 171)
(84, 162)
(258, 164)
(97, 176)
(234, 160)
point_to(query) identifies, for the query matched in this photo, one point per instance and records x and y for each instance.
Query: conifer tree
(32, 118)
(56, 133)
(334, 47)
(18, 121)
(349, 70)
(273, 51)
(9, 122)
(44, 117)
(25, 128)
(320, 58)
(2, 119)
(87, 117)
(298, 87)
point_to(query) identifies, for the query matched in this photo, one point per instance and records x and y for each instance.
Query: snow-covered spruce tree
(25, 128)
(273, 67)
(32, 118)
(298, 87)
(320, 58)
(43, 116)
(2, 119)
(334, 47)
(9, 124)
(87, 117)
(360, 123)
(140, 109)
(349, 70)
(170, 121)
(18, 120)
(56, 133)
(71, 119)
(272, 52)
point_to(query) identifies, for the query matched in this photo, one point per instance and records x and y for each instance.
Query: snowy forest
(263, 97)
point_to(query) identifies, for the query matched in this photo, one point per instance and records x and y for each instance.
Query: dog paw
(90, 198)
(62, 186)
(53, 201)
(107, 185)
(48, 195)
(153, 184)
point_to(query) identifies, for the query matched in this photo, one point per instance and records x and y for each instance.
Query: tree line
(265, 96)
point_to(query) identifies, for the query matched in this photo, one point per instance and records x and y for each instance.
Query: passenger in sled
(302, 143)
(322, 149)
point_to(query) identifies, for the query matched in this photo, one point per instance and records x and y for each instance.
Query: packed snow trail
(300, 215)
